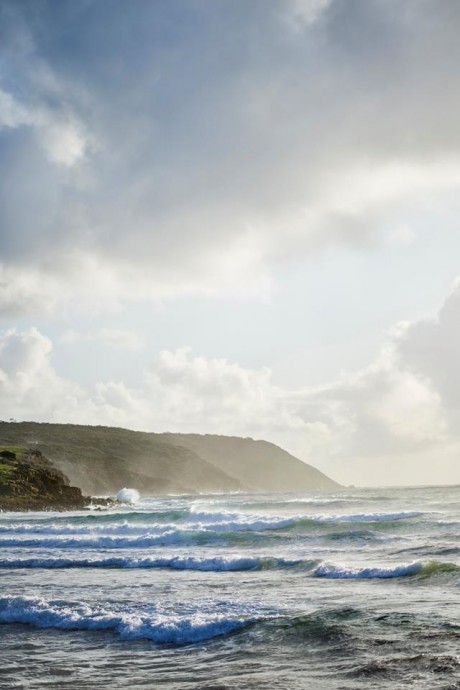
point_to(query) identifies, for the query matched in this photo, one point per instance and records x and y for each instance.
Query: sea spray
(128, 495)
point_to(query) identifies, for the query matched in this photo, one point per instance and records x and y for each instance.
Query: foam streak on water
(346, 590)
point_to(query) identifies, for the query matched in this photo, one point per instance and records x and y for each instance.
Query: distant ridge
(258, 465)
(101, 460)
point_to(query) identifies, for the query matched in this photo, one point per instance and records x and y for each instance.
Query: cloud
(300, 14)
(204, 149)
(396, 421)
(12, 114)
(374, 424)
(64, 143)
(180, 156)
(399, 418)
(29, 386)
(193, 389)
(429, 350)
(62, 139)
(180, 392)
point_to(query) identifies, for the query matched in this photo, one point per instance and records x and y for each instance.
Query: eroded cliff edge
(29, 481)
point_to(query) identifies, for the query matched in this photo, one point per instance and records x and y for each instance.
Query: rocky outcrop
(28, 481)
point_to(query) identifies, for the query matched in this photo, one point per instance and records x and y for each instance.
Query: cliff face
(101, 460)
(28, 481)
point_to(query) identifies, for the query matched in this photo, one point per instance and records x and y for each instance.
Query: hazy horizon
(236, 217)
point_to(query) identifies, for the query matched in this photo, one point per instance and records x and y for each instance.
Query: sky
(237, 217)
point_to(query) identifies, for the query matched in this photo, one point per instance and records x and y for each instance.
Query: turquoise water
(358, 589)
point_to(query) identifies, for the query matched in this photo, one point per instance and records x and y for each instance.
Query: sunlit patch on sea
(359, 588)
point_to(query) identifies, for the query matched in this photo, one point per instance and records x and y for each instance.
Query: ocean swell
(426, 569)
(160, 628)
(216, 564)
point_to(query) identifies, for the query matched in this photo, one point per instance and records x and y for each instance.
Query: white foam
(127, 535)
(216, 564)
(104, 542)
(128, 495)
(228, 522)
(161, 628)
(367, 517)
(120, 528)
(340, 572)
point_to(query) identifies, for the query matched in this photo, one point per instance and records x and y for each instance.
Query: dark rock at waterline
(29, 481)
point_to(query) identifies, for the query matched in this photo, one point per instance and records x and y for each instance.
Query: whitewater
(353, 589)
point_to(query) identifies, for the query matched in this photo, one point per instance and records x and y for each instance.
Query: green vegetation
(102, 460)
(18, 451)
(28, 481)
(10, 456)
(6, 470)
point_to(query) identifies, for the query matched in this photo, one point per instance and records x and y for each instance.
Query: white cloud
(238, 265)
(303, 13)
(12, 114)
(180, 392)
(64, 143)
(63, 138)
(29, 386)
(26, 291)
(193, 389)
(394, 422)
(430, 349)
(90, 283)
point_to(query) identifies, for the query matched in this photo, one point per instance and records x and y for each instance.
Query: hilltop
(257, 465)
(101, 460)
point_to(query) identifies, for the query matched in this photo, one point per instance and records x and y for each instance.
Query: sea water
(355, 589)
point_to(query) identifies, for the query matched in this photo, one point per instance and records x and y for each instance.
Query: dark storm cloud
(152, 139)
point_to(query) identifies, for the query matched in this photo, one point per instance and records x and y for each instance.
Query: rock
(28, 481)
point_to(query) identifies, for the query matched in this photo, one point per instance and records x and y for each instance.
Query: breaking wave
(311, 567)
(416, 568)
(140, 522)
(159, 627)
(215, 564)
(128, 495)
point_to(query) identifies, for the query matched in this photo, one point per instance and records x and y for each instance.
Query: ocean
(354, 589)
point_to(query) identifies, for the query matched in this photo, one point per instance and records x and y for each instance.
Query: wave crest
(426, 569)
(160, 628)
(215, 564)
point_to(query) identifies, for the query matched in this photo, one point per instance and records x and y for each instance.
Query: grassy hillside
(101, 460)
(258, 465)
(28, 481)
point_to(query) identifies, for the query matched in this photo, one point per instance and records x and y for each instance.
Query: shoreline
(16, 505)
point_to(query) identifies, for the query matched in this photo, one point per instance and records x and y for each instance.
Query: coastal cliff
(28, 481)
(101, 460)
